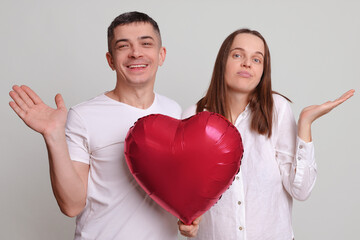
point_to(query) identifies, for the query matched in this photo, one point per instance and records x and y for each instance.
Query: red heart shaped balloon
(184, 165)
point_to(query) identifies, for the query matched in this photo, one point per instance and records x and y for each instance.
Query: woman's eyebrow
(241, 49)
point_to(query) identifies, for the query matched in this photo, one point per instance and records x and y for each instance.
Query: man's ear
(162, 55)
(110, 60)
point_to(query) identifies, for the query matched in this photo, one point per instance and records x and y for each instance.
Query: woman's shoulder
(282, 109)
(280, 100)
(190, 111)
(282, 106)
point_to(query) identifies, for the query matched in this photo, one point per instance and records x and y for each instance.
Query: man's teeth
(137, 66)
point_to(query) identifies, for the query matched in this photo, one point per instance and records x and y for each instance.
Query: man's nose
(135, 52)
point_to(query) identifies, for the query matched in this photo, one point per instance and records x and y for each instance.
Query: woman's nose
(246, 62)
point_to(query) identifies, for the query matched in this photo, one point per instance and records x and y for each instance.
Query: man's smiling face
(136, 53)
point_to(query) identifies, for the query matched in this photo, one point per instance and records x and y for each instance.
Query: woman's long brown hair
(260, 100)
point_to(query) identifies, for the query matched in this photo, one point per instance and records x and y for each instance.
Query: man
(89, 175)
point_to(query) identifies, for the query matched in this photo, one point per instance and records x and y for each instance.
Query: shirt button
(301, 146)
(240, 228)
(299, 158)
(239, 202)
(237, 177)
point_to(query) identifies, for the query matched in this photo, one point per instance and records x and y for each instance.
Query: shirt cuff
(304, 158)
(304, 152)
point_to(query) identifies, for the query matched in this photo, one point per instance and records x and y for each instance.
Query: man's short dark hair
(127, 18)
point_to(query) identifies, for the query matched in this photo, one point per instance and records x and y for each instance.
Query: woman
(278, 162)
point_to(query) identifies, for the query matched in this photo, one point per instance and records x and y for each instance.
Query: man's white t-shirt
(116, 206)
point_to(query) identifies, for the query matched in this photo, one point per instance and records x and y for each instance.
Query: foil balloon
(184, 165)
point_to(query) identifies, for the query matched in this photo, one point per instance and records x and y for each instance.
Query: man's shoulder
(163, 100)
(98, 100)
(166, 99)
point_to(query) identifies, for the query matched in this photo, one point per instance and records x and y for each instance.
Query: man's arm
(68, 178)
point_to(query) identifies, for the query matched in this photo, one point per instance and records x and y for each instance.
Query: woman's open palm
(311, 113)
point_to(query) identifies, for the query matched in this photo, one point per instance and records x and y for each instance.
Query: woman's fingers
(197, 220)
(330, 105)
(345, 96)
(189, 230)
(311, 113)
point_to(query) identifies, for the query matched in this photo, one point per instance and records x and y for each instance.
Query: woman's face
(245, 63)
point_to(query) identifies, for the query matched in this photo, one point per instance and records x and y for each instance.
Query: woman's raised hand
(309, 114)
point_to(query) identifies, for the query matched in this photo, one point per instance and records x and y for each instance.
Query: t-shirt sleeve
(77, 138)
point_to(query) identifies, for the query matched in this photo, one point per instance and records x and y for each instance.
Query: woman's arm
(298, 171)
(310, 114)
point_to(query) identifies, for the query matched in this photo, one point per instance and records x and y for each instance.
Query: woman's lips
(244, 74)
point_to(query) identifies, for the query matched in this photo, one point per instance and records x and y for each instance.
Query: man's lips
(244, 74)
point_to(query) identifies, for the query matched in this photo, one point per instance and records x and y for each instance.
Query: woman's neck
(237, 104)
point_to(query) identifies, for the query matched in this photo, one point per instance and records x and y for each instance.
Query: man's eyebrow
(127, 40)
(146, 37)
(241, 49)
(121, 40)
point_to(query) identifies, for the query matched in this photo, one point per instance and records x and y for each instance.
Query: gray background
(60, 46)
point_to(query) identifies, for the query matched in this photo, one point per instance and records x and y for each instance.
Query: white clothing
(116, 206)
(273, 171)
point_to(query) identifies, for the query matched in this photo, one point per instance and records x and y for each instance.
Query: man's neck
(139, 97)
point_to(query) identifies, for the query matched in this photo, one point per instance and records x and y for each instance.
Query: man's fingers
(59, 101)
(34, 97)
(17, 109)
(23, 95)
(18, 100)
